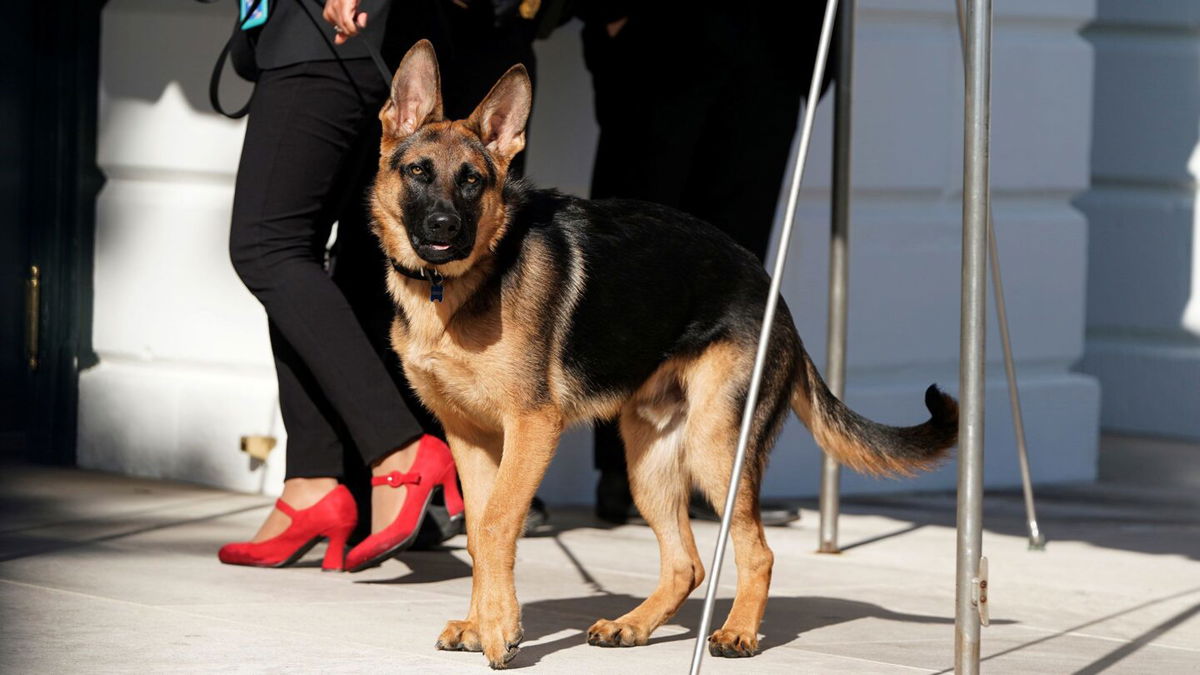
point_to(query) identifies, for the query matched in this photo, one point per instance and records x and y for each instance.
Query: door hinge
(33, 311)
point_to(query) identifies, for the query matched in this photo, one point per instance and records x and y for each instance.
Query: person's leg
(359, 269)
(649, 137)
(613, 497)
(303, 123)
(314, 449)
(755, 136)
(478, 51)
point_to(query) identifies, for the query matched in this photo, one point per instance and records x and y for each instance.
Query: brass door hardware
(33, 311)
(258, 447)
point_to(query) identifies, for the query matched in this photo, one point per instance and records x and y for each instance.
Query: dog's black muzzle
(441, 238)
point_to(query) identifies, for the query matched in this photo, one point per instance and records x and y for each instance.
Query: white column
(1143, 338)
(185, 366)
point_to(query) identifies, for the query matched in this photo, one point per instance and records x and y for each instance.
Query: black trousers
(308, 155)
(697, 104)
(310, 152)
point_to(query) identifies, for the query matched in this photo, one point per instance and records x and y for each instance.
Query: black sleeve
(602, 11)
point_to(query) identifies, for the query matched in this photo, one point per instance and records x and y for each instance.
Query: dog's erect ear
(500, 119)
(416, 97)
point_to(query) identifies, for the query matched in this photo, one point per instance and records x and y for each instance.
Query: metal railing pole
(976, 122)
(785, 236)
(839, 259)
(1037, 541)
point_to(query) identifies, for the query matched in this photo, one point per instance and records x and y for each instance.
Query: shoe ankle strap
(285, 507)
(396, 479)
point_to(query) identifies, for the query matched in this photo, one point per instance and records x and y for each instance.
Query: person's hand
(345, 17)
(615, 27)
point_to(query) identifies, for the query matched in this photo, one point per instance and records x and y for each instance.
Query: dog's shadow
(786, 619)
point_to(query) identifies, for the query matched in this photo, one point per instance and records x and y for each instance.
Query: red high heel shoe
(332, 518)
(433, 470)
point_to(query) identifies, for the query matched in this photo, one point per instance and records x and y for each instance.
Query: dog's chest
(476, 382)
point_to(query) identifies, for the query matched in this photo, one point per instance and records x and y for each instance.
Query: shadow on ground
(427, 567)
(1163, 522)
(786, 619)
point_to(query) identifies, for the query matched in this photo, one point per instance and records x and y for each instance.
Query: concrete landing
(100, 573)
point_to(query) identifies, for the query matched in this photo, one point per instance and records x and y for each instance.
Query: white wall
(184, 363)
(185, 367)
(1143, 296)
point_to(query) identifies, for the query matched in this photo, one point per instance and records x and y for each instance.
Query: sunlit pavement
(101, 573)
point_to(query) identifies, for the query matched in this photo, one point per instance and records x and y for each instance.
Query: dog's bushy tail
(870, 447)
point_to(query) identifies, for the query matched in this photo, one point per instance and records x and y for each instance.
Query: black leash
(436, 279)
(376, 57)
(214, 83)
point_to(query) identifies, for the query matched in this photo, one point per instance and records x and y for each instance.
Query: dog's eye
(472, 179)
(416, 170)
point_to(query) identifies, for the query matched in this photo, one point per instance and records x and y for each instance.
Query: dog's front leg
(529, 443)
(477, 456)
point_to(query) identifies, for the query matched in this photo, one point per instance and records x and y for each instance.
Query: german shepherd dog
(520, 312)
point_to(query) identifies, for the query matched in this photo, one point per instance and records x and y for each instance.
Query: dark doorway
(48, 184)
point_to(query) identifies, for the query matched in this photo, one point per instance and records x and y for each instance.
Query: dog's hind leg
(653, 436)
(711, 442)
(739, 635)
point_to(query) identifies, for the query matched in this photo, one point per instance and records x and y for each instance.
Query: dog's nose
(442, 226)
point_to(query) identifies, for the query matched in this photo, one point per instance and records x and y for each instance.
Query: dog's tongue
(439, 247)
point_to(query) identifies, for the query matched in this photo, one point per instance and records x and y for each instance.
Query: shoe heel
(335, 552)
(454, 500)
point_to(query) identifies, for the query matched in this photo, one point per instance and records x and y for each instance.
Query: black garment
(474, 49)
(308, 155)
(293, 36)
(697, 104)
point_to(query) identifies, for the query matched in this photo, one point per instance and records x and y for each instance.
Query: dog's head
(438, 198)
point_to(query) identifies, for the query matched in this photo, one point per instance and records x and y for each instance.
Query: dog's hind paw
(459, 636)
(732, 644)
(605, 633)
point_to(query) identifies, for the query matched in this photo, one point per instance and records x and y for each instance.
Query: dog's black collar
(434, 277)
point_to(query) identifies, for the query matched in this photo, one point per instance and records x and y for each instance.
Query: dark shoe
(773, 515)
(613, 499)
(439, 525)
(537, 521)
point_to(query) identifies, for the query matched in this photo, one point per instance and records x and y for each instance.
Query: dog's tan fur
(504, 403)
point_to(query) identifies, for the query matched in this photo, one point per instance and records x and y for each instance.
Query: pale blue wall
(1143, 299)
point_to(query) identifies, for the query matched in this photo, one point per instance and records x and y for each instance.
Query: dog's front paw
(605, 633)
(460, 636)
(501, 646)
(732, 644)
